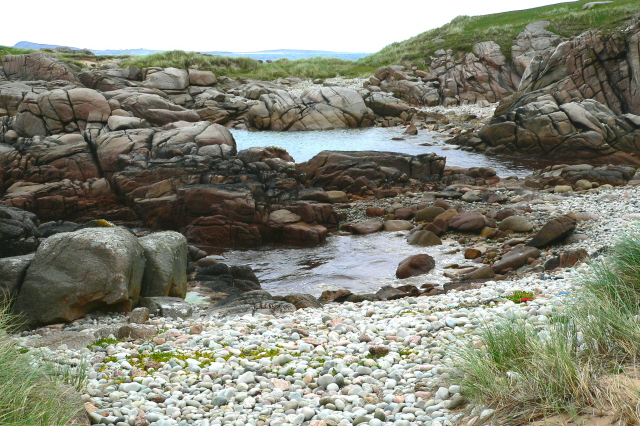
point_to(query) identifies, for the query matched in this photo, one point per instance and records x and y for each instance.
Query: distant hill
(38, 46)
(264, 55)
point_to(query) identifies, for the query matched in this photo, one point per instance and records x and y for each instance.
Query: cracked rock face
(531, 42)
(37, 66)
(62, 111)
(358, 171)
(323, 108)
(480, 77)
(579, 102)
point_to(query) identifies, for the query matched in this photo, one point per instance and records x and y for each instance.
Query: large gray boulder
(165, 273)
(166, 79)
(75, 273)
(12, 272)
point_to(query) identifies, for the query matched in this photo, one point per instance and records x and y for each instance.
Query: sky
(236, 26)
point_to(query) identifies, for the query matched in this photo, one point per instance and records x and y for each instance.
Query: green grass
(31, 396)
(528, 371)
(462, 33)
(247, 67)
(69, 58)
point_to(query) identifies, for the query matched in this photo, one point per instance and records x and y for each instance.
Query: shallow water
(302, 146)
(360, 263)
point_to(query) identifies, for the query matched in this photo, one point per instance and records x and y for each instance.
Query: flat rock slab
(73, 339)
(367, 227)
(173, 307)
(250, 303)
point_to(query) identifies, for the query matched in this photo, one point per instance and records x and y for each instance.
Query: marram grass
(585, 357)
(30, 396)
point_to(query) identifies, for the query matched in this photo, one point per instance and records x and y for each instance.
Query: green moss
(520, 296)
(104, 342)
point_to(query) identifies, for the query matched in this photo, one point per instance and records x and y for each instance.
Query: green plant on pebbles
(104, 342)
(520, 296)
(582, 359)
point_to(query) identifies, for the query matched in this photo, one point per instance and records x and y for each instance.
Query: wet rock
(418, 264)
(516, 224)
(553, 231)
(482, 273)
(337, 197)
(424, 238)
(404, 213)
(173, 307)
(331, 295)
(472, 253)
(397, 225)
(438, 227)
(367, 227)
(252, 302)
(302, 301)
(376, 212)
(360, 171)
(390, 293)
(468, 222)
(515, 259)
(428, 214)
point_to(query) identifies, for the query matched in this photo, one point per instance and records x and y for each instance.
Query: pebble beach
(368, 363)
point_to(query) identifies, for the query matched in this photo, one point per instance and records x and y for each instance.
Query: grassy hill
(461, 34)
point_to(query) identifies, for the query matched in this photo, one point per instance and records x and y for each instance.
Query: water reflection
(361, 263)
(304, 145)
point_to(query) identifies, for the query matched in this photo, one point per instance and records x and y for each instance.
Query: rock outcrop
(316, 109)
(482, 76)
(36, 66)
(578, 102)
(359, 171)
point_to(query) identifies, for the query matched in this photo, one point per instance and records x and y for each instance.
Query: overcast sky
(239, 26)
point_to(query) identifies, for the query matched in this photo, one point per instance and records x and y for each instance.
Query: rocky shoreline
(376, 363)
(93, 161)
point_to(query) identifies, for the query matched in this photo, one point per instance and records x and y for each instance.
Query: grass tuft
(31, 396)
(584, 358)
